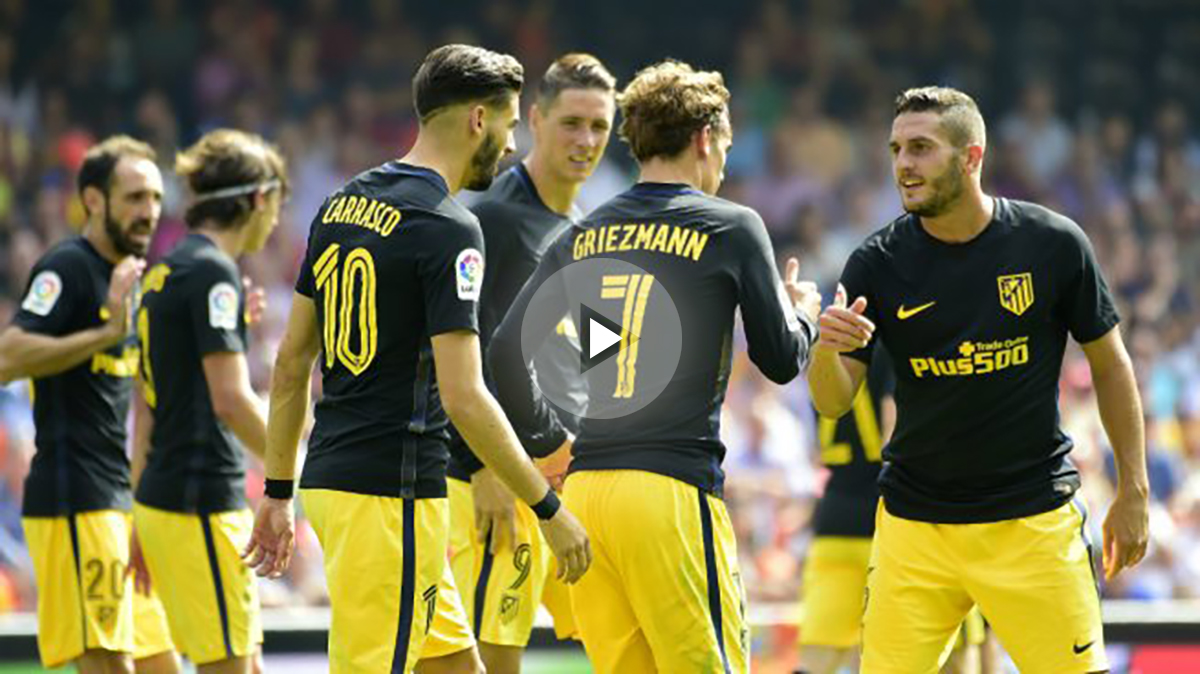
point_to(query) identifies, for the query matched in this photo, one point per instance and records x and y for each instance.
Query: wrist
(547, 508)
(280, 490)
(1138, 489)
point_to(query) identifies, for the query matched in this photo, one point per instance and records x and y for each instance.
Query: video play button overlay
(600, 338)
(630, 336)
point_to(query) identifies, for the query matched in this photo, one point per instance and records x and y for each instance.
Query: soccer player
(973, 296)
(72, 338)
(664, 593)
(835, 571)
(197, 410)
(502, 583)
(388, 294)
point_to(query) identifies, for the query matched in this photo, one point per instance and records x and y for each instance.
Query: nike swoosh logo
(1079, 649)
(905, 314)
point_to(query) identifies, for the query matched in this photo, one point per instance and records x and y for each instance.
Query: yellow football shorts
(501, 593)
(392, 598)
(1033, 579)
(663, 593)
(835, 581)
(85, 599)
(210, 595)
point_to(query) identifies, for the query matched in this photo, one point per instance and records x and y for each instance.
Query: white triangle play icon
(602, 338)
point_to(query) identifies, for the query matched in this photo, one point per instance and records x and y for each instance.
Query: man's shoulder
(67, 256)
(1039, 220)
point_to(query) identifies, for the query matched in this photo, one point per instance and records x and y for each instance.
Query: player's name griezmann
(659, 238)
(365, 212)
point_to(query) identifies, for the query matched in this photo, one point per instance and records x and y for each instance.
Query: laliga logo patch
(223, 306)
(469, 274)
(43, 293)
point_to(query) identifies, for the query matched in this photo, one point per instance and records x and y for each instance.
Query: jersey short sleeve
(451, 275)
(216, 309)
(54, 289)
(306, 284)
(1087, 304)
(856, 280)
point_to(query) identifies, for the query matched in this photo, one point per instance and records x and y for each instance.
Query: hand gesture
(804, 294)
(495, 511)
(1126, 533)
(256, 301)
(119, 304)
(845, 328)
(554, 467)
(569, 541)
(273, 538)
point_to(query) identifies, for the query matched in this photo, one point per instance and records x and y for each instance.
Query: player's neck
(967, 220)
(433, 153)
(95, 234)
(232, 241)
(659, 170)
(556, 193)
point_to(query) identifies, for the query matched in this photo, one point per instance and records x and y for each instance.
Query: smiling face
(931, 174)
(572, 132)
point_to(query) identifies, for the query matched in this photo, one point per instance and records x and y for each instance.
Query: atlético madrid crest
(1016, 292)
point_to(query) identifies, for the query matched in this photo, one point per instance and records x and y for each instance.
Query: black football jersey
(393, 260)
(80, 414)
(707, 256)
(193, 305)
(517, 229)
(977, 332)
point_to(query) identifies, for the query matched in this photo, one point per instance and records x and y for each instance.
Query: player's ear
(974, 161)
(535, 118)
(702, 139)
(477, 118)
(93, 199)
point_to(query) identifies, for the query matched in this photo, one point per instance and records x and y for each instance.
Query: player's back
(192, 306)
(392, 259)
(706, 257)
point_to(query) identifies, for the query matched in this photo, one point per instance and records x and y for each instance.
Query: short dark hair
(668, 102)
(459, 73)
(574, 71)
(227, 159)
(960, 115)
(101, 160)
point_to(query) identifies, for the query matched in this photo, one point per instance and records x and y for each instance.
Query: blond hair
(668, 102)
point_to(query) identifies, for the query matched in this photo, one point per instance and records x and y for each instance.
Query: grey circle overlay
(634, 299)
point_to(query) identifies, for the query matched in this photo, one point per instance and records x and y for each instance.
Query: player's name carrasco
(365, 212)
(659, 238)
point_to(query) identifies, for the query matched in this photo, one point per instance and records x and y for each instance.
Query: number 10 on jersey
(348, 287)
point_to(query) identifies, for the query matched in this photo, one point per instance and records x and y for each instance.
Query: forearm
(285, 425)
(25, 354)
(244, 415)
(1121, 412)
(486, 431)
(830, 383)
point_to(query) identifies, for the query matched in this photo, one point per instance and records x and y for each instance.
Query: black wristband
(280, 489)
(548, 506)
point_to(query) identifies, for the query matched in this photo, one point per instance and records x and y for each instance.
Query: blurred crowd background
(1090, 108)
